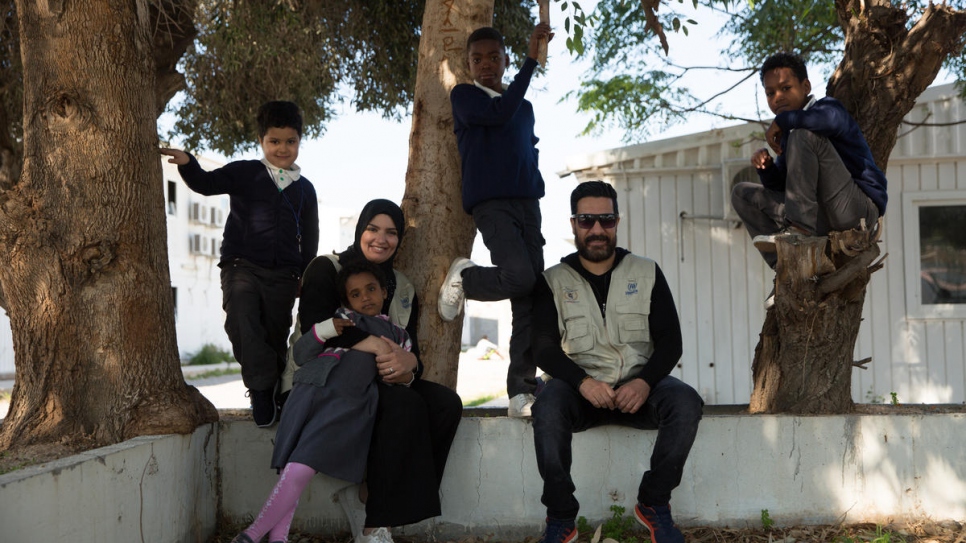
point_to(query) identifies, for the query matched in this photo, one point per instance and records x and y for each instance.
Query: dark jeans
(673, 408)
(258, 305)
(511, 231)
(413, 432)
(820, 195)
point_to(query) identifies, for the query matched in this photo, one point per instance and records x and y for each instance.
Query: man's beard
(596, 255)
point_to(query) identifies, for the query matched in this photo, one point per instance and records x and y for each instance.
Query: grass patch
(480, 401)
(212, 373)
(210, 354)
(4, 395)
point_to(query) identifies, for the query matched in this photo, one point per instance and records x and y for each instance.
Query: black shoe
(264, 407)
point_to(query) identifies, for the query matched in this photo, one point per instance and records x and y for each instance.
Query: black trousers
(511, 231)
(258, 304)
(415, 428)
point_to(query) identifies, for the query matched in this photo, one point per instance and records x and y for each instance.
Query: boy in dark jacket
(271, 234)
(501, 189)
(823, 178)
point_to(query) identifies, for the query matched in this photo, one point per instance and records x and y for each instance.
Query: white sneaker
(766, 242)
(379, 535)
(355, 511)
(520, 405)
(451, 297)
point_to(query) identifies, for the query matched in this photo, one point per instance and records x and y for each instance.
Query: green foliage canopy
(633, 86)
(316, 54)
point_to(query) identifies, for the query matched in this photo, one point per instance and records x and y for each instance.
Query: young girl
(327, 422)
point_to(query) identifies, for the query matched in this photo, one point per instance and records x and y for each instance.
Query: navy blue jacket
(496, 141)
(828, 118)
(264, 225)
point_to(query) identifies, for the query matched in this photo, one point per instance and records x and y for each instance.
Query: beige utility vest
(400, 309)
(614, 346)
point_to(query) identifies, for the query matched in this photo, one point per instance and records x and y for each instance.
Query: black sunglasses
(586, 220)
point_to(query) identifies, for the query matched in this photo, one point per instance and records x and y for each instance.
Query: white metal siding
(719, 280)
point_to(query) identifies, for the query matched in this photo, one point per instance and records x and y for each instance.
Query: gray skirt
(329, 428)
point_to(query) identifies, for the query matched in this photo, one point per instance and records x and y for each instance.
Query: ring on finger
(391, 370)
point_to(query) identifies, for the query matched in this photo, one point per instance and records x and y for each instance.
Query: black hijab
(354, 252)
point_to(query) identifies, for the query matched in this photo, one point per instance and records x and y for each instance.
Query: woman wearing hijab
(415, 424)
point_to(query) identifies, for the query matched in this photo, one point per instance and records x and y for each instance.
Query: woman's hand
(397, 366)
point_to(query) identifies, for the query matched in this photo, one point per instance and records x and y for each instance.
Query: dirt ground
(926, 532)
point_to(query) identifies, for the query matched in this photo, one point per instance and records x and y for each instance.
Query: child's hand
(774, 137)
(762, 159)
(177, 157)
(541, 31)
(341, 324)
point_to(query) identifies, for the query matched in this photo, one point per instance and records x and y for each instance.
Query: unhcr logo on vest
(405, 302)
(631, 288)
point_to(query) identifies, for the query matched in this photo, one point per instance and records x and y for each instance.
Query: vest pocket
(632, 324)
(577, 337)
(633, 329)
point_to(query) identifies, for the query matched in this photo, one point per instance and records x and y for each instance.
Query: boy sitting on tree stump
(823, 178)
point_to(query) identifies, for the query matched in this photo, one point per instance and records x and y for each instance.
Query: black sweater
(267, 227)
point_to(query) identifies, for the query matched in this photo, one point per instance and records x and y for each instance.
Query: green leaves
(575, 21)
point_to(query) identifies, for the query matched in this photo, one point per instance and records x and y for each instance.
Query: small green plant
(881, 536)
(895, 398)
(766, 520)
(872, 397)
(210, 354)
(617, 527)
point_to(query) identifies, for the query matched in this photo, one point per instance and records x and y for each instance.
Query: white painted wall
(719, 280)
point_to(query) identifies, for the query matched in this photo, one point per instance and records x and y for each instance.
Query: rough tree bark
(83, 234)
(437, 229)
(804, 359)
(803, 362)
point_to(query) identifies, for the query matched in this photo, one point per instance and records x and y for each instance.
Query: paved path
(476, 379)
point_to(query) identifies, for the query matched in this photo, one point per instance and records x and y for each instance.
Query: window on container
(172, 198)
(942, 254)
(934, 253)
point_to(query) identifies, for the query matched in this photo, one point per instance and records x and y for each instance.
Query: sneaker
(242, 538)
(766, 242)
(559, 531)
(520, 405)
(264, 407)
(379, 535)
(355, 510)
(658, 521)
(451, 297)
(770, 300)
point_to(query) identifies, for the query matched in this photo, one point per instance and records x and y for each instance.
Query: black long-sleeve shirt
(663, 323)
(267, 227)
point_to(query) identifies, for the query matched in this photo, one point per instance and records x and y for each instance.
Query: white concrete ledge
(803, 470)
(153, 488)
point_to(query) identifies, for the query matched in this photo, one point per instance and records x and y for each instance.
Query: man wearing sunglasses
(606, 328)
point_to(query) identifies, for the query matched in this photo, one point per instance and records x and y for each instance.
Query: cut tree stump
(803, 362)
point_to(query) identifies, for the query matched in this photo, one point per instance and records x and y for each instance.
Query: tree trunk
(83, 234)
(887, 66)
(803, 361)
(437, 229)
